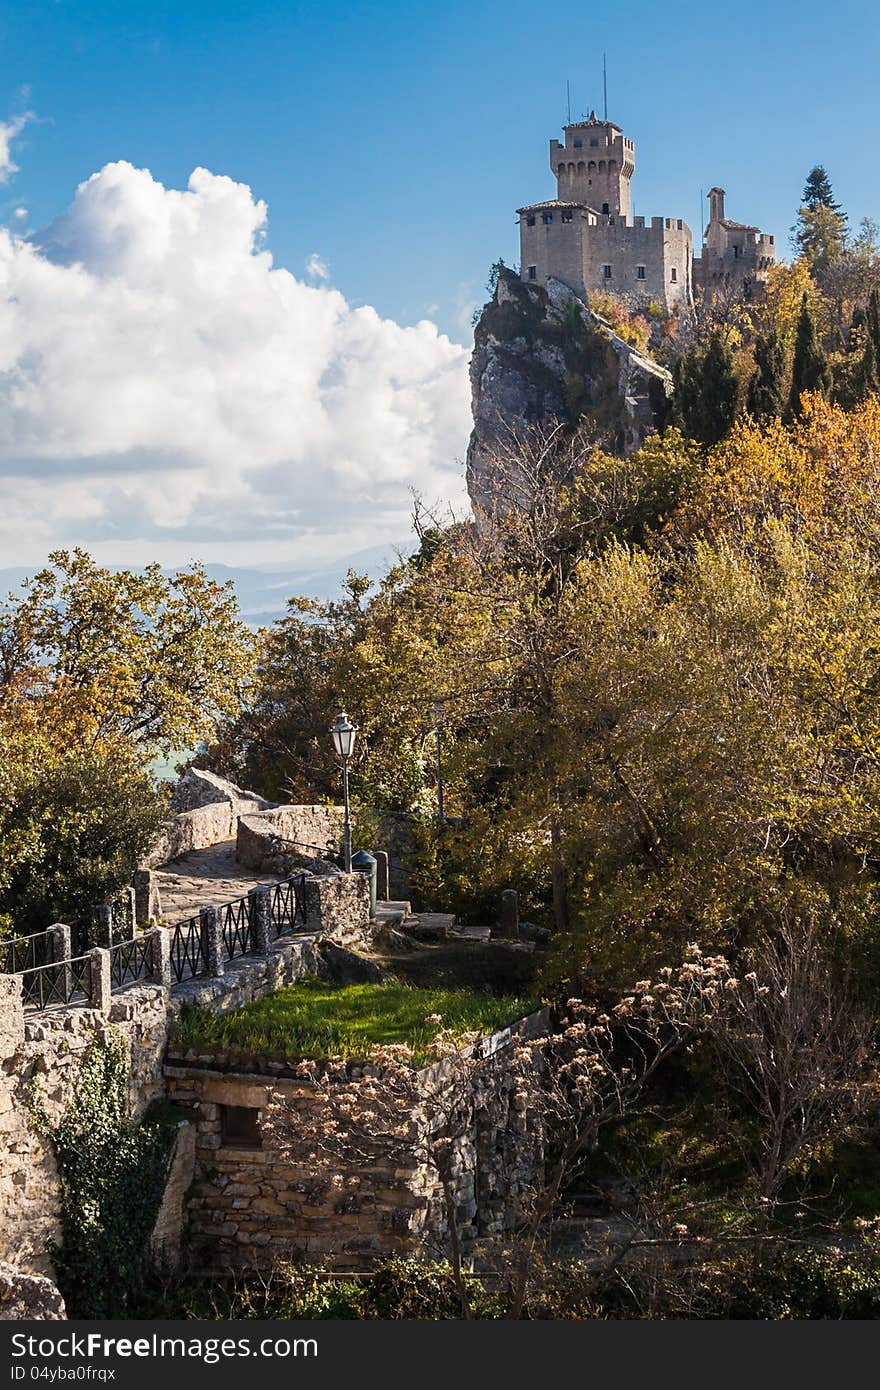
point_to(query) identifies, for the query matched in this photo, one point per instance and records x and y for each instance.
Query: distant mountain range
(262, 594)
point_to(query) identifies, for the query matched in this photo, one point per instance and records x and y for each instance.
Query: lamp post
(343, 741)
(438, 709)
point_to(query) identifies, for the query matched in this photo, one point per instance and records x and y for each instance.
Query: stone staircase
(425, 926)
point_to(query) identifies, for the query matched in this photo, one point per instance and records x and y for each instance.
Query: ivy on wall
(112, 1173)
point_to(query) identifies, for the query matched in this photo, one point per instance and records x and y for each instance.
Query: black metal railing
(288, 902)
(187, 951)
(129, 961)
(25, 953)
(235, 924)
(67, 982)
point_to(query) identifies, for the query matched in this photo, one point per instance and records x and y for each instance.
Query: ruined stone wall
(251, 1206)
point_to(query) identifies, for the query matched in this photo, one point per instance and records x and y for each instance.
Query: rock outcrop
(541, 356)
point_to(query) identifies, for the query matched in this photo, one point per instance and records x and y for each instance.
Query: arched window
(571, 171)
(612, 166)
(582, 168)
(592, 165)
(561, 171)
(601, 166)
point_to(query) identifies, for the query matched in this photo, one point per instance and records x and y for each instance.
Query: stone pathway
(205, 878)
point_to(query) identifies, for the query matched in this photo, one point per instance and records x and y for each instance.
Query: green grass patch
(314, 1019)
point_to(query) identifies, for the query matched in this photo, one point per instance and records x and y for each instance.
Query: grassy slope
(314, 1019)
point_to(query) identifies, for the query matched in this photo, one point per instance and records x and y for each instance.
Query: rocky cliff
(542, 355)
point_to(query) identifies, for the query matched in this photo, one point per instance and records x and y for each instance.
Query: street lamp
(438, 710)
(343, 741)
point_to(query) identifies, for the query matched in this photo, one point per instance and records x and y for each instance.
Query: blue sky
(162, 393)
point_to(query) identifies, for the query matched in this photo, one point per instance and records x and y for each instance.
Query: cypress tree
(872, 318)
(866, 380)
(810, 371)
(767, 395)
(706, 391)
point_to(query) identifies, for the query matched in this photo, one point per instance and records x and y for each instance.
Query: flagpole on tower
(605, 83)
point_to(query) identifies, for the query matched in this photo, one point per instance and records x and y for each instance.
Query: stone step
(473, 933)
(392, 914)
(430, 926)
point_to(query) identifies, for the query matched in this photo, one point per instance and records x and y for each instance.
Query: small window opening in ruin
(640, 272)
(533, 272)
(240, 1127)
(566, 217)
(578, 144)
(606, 271)
(736, 252)
(606, 207)
(548, 218)
(673, 275)
(530, 220)
(594, 140)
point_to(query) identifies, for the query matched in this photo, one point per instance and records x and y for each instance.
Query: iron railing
(25, 953)
(67, 982)
(288, 901)
(235, 923)
(129, 961)
(187, 950)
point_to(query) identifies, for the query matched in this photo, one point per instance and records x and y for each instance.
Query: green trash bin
(363, 863)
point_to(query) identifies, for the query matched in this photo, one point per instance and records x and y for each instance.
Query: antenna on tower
(568, 99)
(605, 83)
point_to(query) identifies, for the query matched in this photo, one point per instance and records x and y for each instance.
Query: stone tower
(595, 166)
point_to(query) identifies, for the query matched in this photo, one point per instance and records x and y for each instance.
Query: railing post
(159, 956)
(261, 920)
(60, 949)
(100, 983)
(147, 903)
(104, 914)
(212, 940)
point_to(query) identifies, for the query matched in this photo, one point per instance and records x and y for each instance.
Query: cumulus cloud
(8, 131)
(167, 391)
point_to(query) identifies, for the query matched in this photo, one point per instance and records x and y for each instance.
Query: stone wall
(250, 1206)
(262, 836)
(44, 1052)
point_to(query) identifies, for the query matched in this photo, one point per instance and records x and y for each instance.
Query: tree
(768, 394)
(820, 232)
(818, 191)
(797, 1049)
(153, 659)
(706, 390)
(810, 371)
(74, 824)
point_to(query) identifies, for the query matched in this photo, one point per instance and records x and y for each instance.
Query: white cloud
(166, 391)
(8, 131)
(20, 213)
(317, 268)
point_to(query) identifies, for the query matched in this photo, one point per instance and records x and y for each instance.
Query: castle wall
(554, 248)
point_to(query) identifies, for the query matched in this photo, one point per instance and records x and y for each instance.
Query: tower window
(673, 275)
(640, 272)
(594, 140)
(533, 272)
(577, 144)
(606, 271)
(606, 207)
(566, 217)
(547, 218)
(530, 220)
(736, 252)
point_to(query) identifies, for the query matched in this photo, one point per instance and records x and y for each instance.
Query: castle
(588, 238)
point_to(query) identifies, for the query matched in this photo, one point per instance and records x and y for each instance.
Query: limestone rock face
(542, 356)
